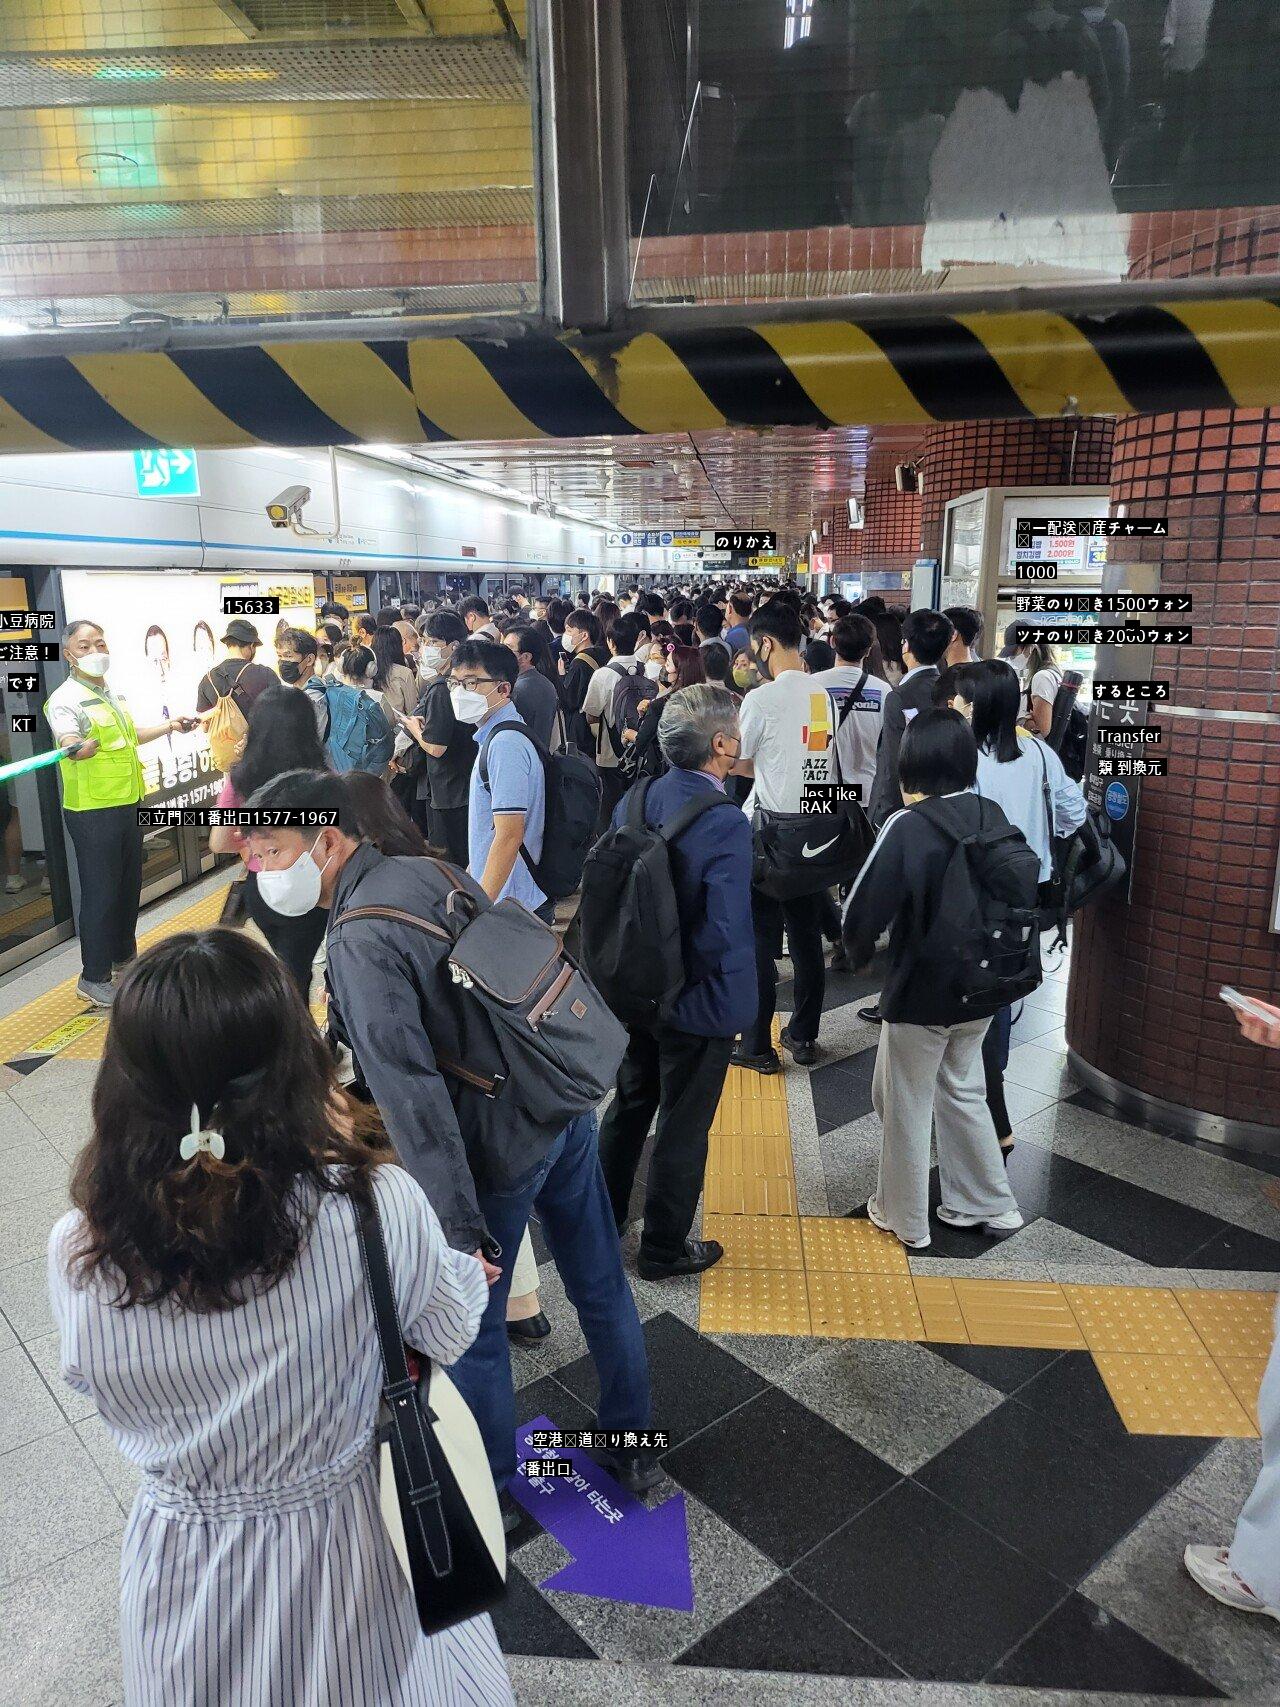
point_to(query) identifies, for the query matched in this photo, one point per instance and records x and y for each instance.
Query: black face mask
(766, 674)
(290, 671)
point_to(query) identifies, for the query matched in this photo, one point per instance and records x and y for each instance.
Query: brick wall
(964, 456)
(1143, 1002)
(889, 542)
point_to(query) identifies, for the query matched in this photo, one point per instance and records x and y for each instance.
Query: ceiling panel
(779, 478)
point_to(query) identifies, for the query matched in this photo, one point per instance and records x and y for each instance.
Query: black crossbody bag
(802, 853)
(439, 1503)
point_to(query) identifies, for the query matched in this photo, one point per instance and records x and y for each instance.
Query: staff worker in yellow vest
(102, 789)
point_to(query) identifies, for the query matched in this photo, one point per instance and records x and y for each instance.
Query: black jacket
(899, 886)
(392, 1000)
(913, 696)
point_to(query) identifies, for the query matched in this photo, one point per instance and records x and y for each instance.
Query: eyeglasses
(471, 683)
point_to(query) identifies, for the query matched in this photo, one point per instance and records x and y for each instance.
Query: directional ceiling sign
(621, 1550)
(166, 473)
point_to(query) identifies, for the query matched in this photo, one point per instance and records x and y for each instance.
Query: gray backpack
(560, 1044)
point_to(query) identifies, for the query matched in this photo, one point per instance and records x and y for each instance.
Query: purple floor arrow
(621, 1550)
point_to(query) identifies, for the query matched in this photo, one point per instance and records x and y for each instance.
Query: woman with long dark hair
(393, 677)
(211, 1301)
(1026, 780)
(684, 667)
(282, 737)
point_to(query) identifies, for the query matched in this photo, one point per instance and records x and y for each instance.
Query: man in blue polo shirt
(507, 805)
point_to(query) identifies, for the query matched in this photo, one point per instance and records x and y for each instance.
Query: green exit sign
(166, 473)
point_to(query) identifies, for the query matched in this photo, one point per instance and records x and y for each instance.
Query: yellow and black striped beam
(1182, 354)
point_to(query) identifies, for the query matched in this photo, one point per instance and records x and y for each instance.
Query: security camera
(287, 507)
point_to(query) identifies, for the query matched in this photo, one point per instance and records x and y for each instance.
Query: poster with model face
(164, 636)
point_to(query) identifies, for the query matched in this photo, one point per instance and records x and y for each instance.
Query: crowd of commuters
(217, 1202)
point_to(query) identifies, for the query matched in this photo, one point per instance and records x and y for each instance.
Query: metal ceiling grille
(267, 307)
(306, 16)
(780, 478)
(444, 68)
(257, 215)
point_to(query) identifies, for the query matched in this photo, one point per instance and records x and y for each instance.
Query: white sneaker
(1009, 1222)
(877, 1219)
(14, 885)
(1210, 1567)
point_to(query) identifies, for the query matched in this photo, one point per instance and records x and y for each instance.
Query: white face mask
(431, 660)
(468, 705)
(653, 669)
(295, 890)
(94, 664)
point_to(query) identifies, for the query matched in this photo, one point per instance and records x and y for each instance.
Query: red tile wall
(1143, 1003)
(963, 456)
(890, 541)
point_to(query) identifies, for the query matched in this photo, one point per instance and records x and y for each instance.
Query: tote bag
(438, 1500)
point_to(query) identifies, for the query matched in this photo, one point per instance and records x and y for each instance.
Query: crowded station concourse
(638, 930)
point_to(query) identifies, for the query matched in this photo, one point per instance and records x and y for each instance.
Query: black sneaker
(531, 1328)
(871, 1014)
(634, 1468)
(698, 1254)
(766, 1063)
(803, 1054)
(511, 1512)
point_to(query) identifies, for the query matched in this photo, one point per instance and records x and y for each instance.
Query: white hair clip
(213, 1143)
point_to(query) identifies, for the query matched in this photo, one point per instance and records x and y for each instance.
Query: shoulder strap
(516, 729)
(848, 704)
(1046, 792)
(422, 1495)
(636, 802)
(691, 813)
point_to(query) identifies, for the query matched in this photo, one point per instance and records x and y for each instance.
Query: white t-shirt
(599, 697)
(859, 734)
(1043, 685)
(788, 731)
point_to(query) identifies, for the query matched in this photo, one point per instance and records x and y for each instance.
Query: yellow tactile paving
(38, 1018)
(844, 1245)
(756, 1241)
(748, 1194)
(1173, 1395)
(1016, 1312)
(1143, 1319)
(1244, 1377)
(1231, 1324)
(940, 1310)
(22, 1032)
(88, 1046)
(864, 1306)
(753, 1301)
(750, 1153)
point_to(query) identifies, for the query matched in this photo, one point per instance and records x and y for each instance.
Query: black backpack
(632, 688)
(984, 940)
(572, 791)
(631, 944)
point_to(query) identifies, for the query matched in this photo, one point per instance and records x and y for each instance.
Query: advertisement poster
(163, 635)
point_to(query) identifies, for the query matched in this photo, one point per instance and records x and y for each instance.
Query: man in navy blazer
(677, 1069)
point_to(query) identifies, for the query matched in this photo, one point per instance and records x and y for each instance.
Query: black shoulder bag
(438, 1499)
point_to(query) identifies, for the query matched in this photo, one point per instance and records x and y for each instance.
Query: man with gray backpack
(486, 1052)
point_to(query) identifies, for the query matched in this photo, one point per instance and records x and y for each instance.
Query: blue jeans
(577, 1223)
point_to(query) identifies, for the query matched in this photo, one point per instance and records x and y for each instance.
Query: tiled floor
(909, 1518)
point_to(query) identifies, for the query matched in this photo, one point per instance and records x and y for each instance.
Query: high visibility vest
(113, 776)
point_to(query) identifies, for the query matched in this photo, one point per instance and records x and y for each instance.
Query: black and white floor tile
(862, 1514)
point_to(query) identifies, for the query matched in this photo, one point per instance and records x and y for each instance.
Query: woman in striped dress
(211, 1301)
